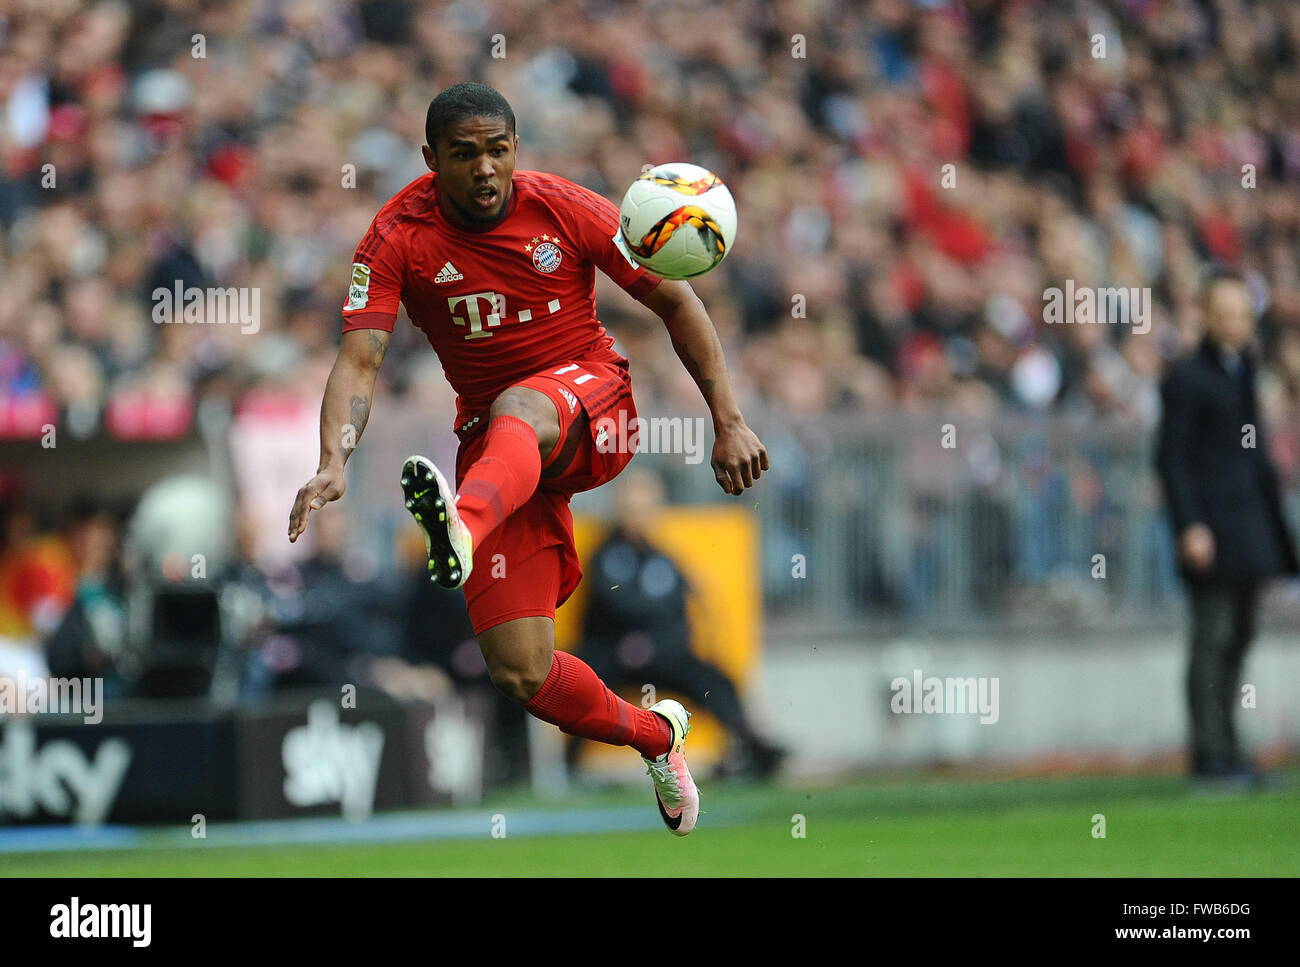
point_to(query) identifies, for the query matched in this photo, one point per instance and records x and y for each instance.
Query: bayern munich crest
(546, 254)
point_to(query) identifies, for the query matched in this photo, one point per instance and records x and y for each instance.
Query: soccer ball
(678, 220)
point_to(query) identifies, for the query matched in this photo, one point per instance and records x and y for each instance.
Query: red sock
(501, 479)
(573, 698)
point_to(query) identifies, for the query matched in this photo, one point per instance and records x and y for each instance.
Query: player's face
(475, 160)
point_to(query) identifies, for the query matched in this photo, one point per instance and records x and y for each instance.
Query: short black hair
(462, 101)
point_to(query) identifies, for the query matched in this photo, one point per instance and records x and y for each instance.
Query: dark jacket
(636, 588)
(1210, 477)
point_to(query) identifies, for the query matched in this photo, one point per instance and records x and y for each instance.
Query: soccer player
(497, 267)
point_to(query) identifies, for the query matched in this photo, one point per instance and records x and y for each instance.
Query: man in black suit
(1224, 500)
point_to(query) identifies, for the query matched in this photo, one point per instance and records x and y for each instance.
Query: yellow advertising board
(717, 550)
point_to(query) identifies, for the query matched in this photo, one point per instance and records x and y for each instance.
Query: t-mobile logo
(477, 319)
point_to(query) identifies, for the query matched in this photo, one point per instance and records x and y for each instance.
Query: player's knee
(507, 682)
(534, 408)
(520, 403)
(517, 682)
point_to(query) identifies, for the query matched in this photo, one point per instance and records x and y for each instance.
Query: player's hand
(739, 458)
(1197, 547)
(316, 493)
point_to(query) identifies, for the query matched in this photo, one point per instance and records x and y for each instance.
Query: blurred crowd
(911, 176)
(101, 595)
(249, 143)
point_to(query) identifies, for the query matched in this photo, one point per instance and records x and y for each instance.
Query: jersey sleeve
(375, 289)
(601, 242)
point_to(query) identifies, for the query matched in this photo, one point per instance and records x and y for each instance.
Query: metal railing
(1022, 523)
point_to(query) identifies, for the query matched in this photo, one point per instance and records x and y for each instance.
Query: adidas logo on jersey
(447, 273)
(569, 398)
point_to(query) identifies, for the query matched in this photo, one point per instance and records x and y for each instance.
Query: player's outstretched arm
(344, 412)
(739, 457)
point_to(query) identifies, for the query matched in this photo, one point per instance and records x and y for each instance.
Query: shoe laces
(665, 779)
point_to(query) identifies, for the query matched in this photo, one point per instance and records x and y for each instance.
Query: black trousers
(1223, 624)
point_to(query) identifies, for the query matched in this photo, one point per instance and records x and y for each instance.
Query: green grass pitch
(889, 827)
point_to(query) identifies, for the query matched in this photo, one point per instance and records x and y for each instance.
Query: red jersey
(502, 303)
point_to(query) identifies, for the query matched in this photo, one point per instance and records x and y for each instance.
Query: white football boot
(675, 791)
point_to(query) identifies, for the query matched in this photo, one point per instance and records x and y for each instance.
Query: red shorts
(593, 400)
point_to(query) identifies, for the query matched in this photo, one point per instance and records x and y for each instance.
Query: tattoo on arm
(378, 347)
(692, 367)
(360, 413)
